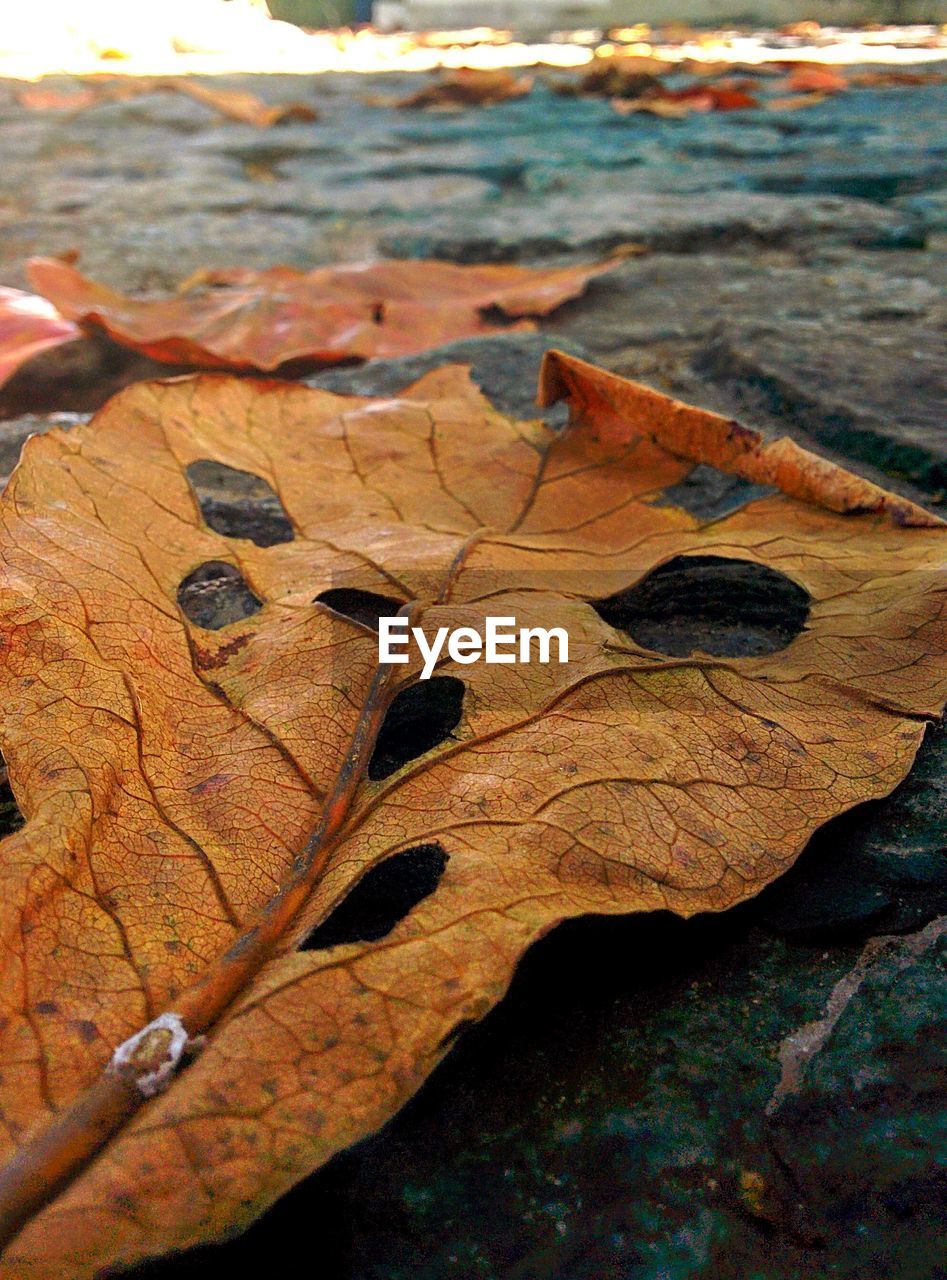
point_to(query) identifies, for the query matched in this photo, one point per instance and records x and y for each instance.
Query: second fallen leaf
(246, 319)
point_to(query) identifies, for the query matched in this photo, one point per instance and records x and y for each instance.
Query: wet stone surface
(758, 1094)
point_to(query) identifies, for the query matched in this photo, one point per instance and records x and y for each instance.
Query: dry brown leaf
(815, 79)
(623, 75)
(894, 78)
(713, 70)
(245, 319)
(234, 104)
(723, 97)
(705, 70)
(40, 98)
(466, 88)
(666, 108)
(170, 774)
(29, 325)
(805, 30)
(795, 102)
(675, 104)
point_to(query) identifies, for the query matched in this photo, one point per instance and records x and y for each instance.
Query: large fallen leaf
(171, 775)
(244, 319)
(28, 325)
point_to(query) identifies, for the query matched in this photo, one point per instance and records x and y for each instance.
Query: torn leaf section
(624, 410)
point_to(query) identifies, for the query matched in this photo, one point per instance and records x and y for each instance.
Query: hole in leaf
(729, 608)
(11, 819)
(239, 504)
(365, 607)
(215, 594)
(378, 312)
(382, 898)
(419, 718)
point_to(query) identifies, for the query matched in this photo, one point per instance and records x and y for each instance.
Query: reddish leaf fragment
(28, 325)
(676, 103)
(39, 98)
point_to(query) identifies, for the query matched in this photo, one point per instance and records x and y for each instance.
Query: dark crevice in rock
(239, 504)
(508, 177)
(419, 718)
(365, 607)
(879, 187)
(215, 594)
(729, 608)
(382, 898)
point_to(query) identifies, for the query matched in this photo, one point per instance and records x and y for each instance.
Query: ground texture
(756, 1095)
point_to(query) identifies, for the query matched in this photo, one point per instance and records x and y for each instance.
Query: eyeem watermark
(501, 642)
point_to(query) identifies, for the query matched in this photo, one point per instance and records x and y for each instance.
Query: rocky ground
(756, 1095)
